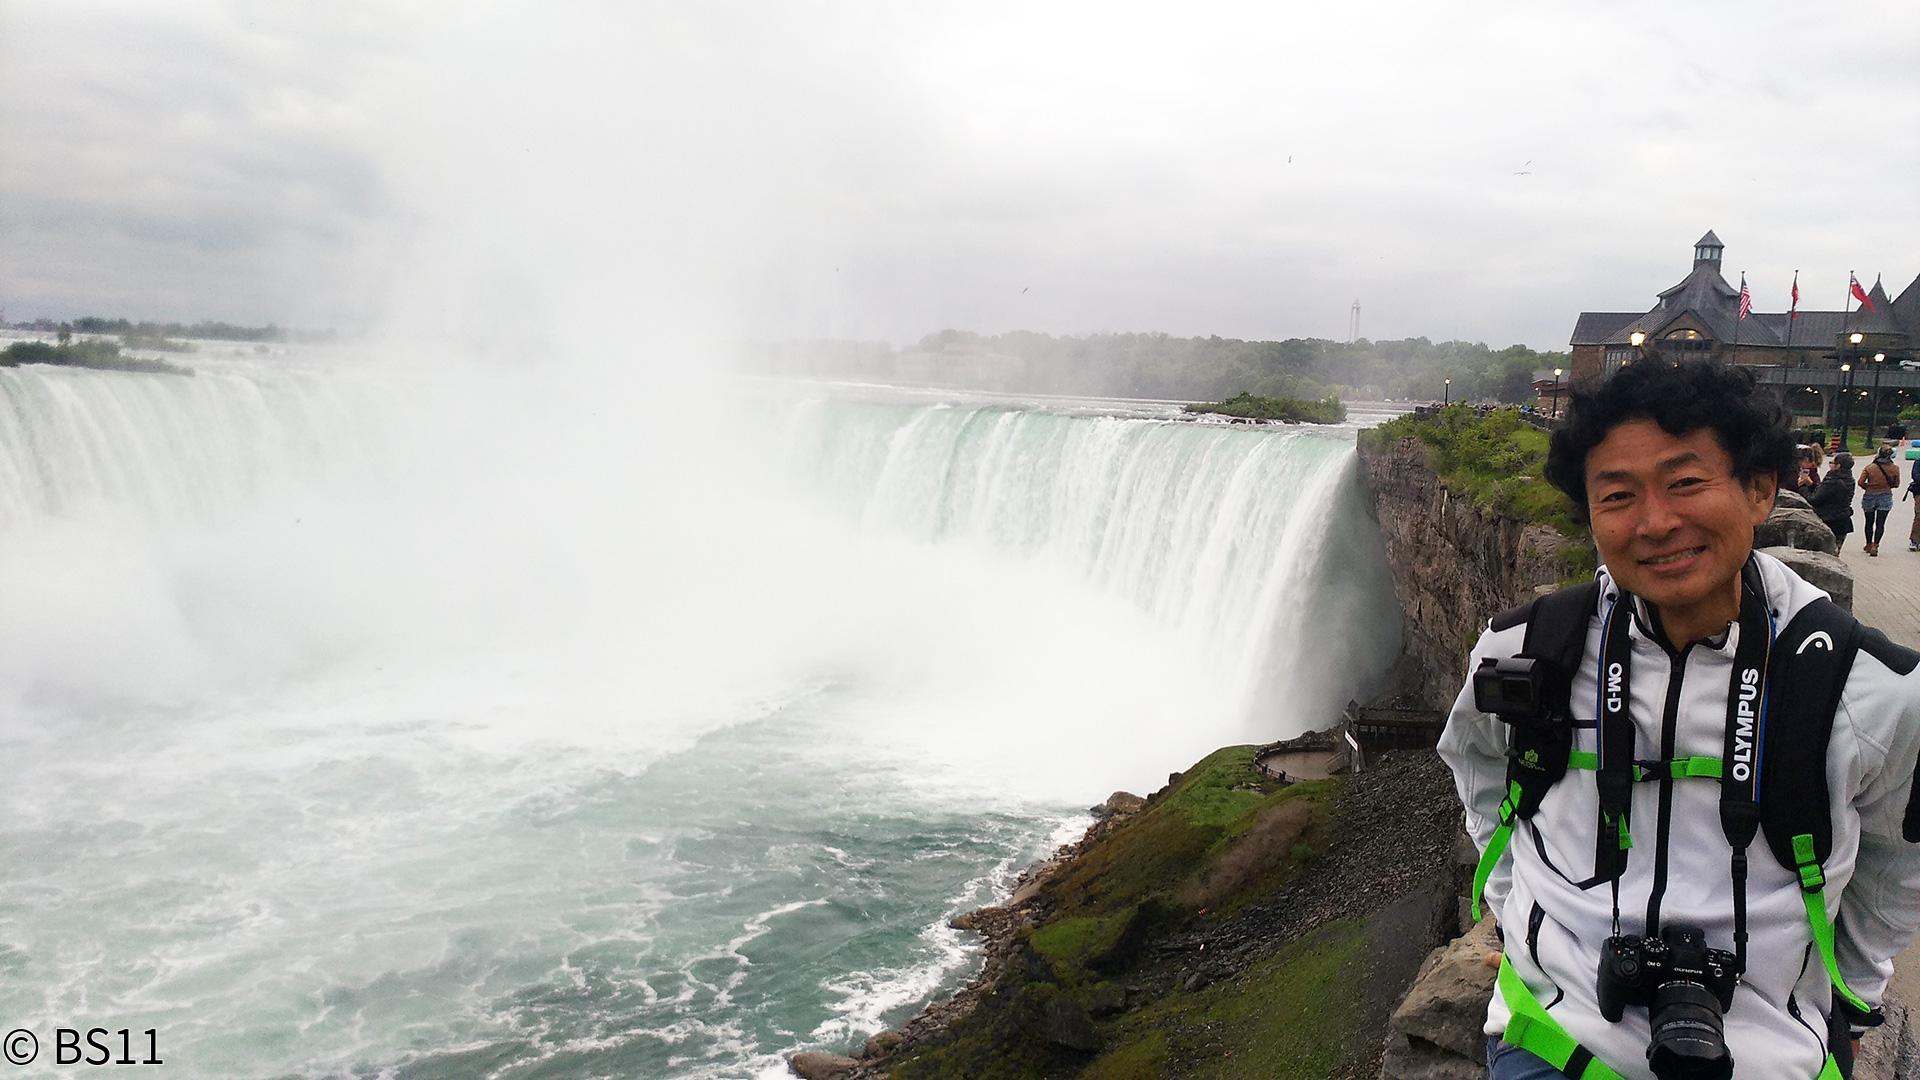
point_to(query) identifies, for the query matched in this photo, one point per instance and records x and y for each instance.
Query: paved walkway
(1886, 590)
(1886, 595)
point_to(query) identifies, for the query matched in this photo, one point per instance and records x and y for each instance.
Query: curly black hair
(1682, 397)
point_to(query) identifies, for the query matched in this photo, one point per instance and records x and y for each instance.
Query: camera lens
(1689, 1041)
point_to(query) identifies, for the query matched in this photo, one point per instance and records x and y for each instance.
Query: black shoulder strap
(1557, 636)
(1812, 659)
(1557, 627)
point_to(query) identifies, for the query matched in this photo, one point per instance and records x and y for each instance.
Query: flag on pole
(1860, 294)
(1746, 298)
(1793, 309)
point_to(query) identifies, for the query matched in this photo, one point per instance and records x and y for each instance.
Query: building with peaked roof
(1813, 359)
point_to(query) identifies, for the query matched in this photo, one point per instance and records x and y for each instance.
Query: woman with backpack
(1833, 499)
(1878, 480)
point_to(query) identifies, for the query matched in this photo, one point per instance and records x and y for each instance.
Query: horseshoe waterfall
(398, 720)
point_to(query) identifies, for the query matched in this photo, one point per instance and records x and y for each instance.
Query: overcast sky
(882, 170)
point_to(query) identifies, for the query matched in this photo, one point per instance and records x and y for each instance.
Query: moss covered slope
(1233, 928)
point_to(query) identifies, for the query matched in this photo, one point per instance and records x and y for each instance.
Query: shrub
(1327, 410)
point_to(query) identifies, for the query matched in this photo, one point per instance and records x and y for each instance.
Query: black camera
(1687, 989)
(1517, 689)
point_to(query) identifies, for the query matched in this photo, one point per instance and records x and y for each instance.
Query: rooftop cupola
(1707, 250)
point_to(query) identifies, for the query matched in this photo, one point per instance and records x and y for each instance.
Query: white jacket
(1776, 1029)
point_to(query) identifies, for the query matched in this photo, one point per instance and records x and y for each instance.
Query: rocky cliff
(1455, 564)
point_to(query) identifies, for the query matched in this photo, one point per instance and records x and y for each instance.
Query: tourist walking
(1833, 499)
(1878, 480)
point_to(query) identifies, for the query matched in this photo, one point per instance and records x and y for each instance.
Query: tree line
(210, 330)
(1155, 365)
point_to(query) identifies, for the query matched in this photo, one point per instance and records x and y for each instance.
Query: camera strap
(1614, 771)
(1739, 765)
(1747, 702)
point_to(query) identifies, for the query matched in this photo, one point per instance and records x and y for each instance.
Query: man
(1673, 467)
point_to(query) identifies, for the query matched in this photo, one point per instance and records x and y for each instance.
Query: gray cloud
(887, 170)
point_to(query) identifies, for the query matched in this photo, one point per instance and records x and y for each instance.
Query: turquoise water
(366, 722)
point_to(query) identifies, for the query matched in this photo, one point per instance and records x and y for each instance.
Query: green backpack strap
(1537, 753)
(1814, 655)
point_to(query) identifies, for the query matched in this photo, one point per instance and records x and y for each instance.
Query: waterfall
(376, 718)
(1252, 544)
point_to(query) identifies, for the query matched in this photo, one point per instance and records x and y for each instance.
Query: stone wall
(1455, 565)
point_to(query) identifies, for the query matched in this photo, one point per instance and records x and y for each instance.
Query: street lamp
(1447, 386)
(1846, 402)
(1556, 393)
(1873, 410)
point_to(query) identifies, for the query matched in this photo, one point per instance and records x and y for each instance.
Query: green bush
(103, 355)
(1499, 462)
(1327, 410)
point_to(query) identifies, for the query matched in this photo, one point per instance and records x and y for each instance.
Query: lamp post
(1556, 394)
(1873, 410)
(1639, 340)
(1447, 389)
(1846, 403)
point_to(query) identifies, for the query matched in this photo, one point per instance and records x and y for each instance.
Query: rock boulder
(818, 1065)
(1794, 527)
(1820, 569)
(1067, 1024)
(1435, 1033)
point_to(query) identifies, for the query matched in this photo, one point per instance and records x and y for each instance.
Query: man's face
(1671, 521)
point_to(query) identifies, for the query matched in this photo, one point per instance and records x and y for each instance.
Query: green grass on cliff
(1168, 849)
(1289, 1016)
(1499, 462)
(1221, 837)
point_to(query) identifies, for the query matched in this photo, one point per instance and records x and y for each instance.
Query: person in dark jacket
(1833, 499)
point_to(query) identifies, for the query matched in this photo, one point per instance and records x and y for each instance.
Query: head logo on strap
(1818, 639)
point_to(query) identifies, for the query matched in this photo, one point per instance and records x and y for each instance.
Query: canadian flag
(1860, 294)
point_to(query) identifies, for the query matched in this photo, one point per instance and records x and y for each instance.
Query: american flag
(1793, 310)
(1746, 298)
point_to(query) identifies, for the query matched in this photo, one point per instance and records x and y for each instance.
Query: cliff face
(1455, 565)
